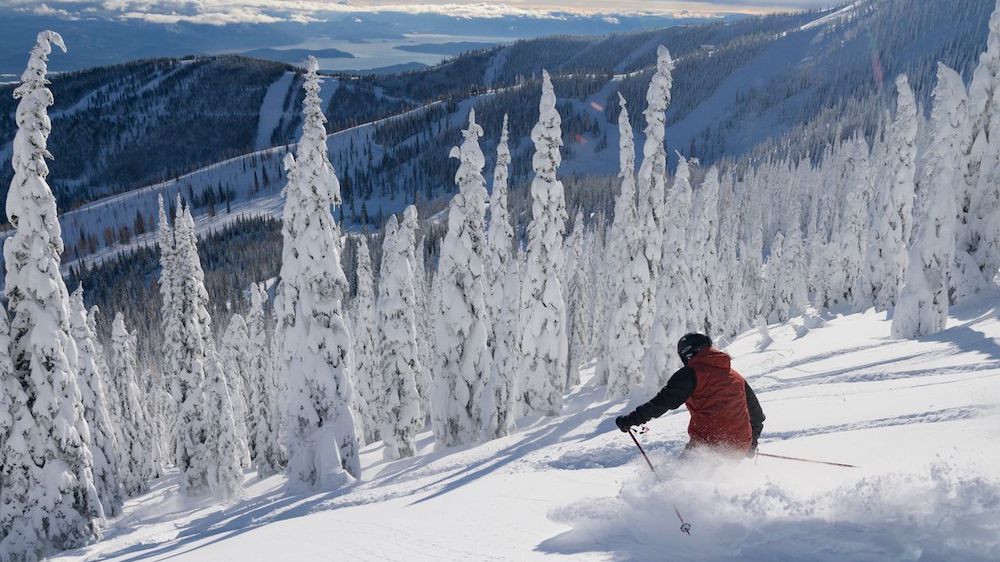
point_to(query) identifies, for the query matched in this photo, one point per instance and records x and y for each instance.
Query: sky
(221, 12)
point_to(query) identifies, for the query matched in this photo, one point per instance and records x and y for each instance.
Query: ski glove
(624, 423)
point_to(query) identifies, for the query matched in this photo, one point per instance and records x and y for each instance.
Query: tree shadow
(965, 339)
(287, 503)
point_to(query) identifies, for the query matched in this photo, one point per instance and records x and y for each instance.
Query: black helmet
(691, 344)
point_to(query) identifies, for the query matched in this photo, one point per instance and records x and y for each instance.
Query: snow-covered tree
(622, 348)
(728, 320)
(579, 301)
(315, 341)
(367, 378)
(463, 358)
(156, 402)
(137, 468)
(707, 283)
(408, 227)
(235, 358)
(171, 315)
(674, 313)
(398, 402)
(501, 402)
(787, 293)
(265, 445)
(748, 290)
(499, 238)
(923, 300)
(425, 323)
(223, 449)
(845, 273)
(543, 308)
(17, 433)
(630, 333)
(195, 349)
(48, 500)
(893, 205)
(104, 445)
(981, 236)
(652, 184)
(775, 307)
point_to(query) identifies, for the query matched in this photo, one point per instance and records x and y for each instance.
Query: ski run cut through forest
(445, 387)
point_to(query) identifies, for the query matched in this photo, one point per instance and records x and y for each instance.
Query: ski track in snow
(920, 418)
(272, 109)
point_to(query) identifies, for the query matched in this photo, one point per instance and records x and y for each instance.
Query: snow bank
(740, 512)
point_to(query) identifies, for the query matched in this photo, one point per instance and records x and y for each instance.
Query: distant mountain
(296, 56)
(737, 85)
(392, 69)
(94, 40)
(449, 48)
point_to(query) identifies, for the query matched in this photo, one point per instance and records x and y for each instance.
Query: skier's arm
(756, 413)
(678, 390)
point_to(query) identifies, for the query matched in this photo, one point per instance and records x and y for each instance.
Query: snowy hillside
(752, 83)
(920, 418)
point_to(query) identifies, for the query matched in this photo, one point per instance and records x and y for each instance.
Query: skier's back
(725, 413)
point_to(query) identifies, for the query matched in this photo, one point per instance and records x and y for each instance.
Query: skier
(725, 414)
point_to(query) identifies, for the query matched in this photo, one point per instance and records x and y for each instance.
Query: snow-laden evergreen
(892, 212)
(579, 286)
(196, 349)
(367, 377)
(265, 446)
(18, 431)
(503, 391)
(137, 467)
(982, 236)
(499, 239)
(408, 227)
(461, 336)
(619, 363)
(398, 402)
(543, 307)
(703, 253)
(652, 185)
(93, 381)
(223, 449)
(172, 321)
(314, 339)
(924, 298)
(48, 500)
(157, 403)
(674, 302)
(845, 274)
(642, 273)
(729, 321)
(425, 322)
(786, 290)
(235, 357)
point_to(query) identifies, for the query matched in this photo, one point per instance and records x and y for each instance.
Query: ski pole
(685, 526)
(797, 459)
(641, 450)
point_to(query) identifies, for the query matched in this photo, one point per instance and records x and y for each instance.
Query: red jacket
(718, 405)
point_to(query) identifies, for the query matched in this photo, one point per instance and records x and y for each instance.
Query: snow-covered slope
(728, 98)
(920, 419)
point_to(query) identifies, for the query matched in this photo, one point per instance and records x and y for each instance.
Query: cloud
(45, 10)
(221, 12)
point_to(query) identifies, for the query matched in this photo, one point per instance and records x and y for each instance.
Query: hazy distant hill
(736, 85)
(296, 56)
(449, 48)
(95, 41)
